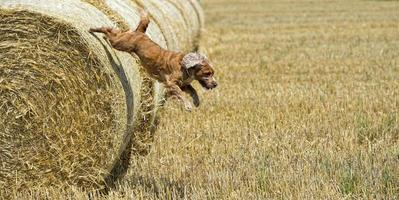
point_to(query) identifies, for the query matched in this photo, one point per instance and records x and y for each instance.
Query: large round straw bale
(158, 18)
(180, 21)
(191, 19)
(103, 7)
(198, 12)
(129, 12)
(151, 92)
(173, 16)
(66, 98)
(72, 108)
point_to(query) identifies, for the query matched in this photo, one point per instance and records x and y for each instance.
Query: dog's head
(202, 70)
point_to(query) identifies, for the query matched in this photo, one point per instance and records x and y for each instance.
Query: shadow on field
(162, 187)
(121, 164)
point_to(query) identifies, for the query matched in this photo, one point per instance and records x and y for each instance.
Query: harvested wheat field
(306, 108)
(72, 109)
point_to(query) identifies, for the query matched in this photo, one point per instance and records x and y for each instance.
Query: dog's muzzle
(209, 83)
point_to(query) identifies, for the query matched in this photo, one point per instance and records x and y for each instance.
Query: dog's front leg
(175, 90)
(193, 93)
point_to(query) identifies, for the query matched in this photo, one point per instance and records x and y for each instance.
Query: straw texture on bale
(192, 18)
(71, 108)
(163, 22)
(180, 21)
(196, 4)
(151, 91)
(67, 99)
(115, 17)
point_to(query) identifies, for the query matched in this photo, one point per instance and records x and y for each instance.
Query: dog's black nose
(215, 85)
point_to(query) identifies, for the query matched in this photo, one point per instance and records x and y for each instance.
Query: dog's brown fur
(165, 66)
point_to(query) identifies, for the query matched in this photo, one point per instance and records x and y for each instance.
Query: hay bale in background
(69, 104)
(172, 15)
(193, 21)
(163, 22)
(180, 21)
(199, 13)
(115, 17)
(151, 92)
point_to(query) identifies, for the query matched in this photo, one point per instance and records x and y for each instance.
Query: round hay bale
(181, 22)
(115, 17)
(68, 100)
(151, 91)
(72, 108)
(192, 22)
(129, 13)
(173, 16)
(162, 21)
(199, 13)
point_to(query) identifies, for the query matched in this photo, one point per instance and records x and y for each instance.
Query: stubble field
(307, 108)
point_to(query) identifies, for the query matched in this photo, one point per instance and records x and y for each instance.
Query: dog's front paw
(188, 107)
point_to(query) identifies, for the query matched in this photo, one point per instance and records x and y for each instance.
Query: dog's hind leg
(109, 32)
(144, 21)
(100, 30)
(193, 93)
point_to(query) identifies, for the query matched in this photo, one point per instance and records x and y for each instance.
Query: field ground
(307, 108)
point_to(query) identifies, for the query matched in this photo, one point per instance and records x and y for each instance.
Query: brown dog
(175, 70)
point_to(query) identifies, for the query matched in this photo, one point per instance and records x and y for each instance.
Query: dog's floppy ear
(193, 59)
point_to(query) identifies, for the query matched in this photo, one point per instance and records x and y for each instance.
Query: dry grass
(307, 108)
(39, 54)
